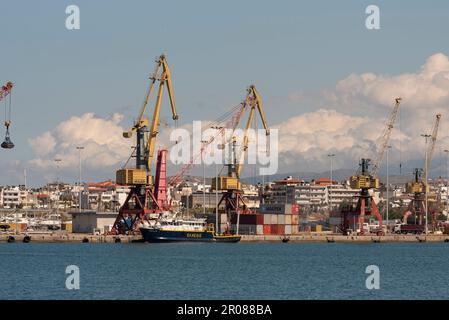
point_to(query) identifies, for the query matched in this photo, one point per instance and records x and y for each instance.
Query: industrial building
(92, 221)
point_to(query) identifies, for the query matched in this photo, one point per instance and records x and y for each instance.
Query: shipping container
(259, 229)
(281, 229)
(281, 219)
(295, 228)
(288, 229)
(247, 229)
(295, 209)
(274, 229)
(288, 219)
(267, 229)
(295, 219)
(244, 219)
(274, 219)
(267, 219)
(260, 219)
(318, 228)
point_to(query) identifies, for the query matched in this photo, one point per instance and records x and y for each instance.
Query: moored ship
(170, 229)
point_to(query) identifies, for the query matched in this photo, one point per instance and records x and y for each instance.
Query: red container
(274, 229)
(281, 229)
(295, 208)
(259, 218)
(245, 219)
(266, 229)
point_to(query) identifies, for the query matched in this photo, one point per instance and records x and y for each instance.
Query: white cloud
(105, 149)
(355, 113)
(348, 120)
(43, 144)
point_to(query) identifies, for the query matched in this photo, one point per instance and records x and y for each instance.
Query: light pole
(388, 185)
(447, 180)
(331, 156)
(426, 136)
(79, 151)
(204, 178)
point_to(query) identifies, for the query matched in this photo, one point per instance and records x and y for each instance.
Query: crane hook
(7, 144)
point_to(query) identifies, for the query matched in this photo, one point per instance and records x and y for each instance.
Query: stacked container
(271, 219)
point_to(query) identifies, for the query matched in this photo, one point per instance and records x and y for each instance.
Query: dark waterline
(225, 271)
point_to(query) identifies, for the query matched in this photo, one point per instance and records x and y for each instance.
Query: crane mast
(385, 137)
(366, 180)
(433, 139)
(232, 197)
(145, 151)
(253, 101)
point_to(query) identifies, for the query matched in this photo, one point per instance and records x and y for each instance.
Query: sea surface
(225, 271)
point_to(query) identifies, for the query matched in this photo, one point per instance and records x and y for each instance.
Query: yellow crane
(252, 102)
(366, 180)
(141, 174)
(230, 184)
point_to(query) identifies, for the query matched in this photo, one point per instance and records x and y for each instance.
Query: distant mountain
(338, 174)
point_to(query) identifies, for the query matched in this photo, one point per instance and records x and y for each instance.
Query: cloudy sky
(327, 82)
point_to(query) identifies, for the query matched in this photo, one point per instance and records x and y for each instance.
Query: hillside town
(319, 201)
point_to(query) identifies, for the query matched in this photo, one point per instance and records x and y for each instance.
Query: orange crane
(4, 92)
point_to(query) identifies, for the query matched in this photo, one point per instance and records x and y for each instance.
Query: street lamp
(388, 185)
(447, 180)
(426, 136)
(79, 151)
(204, 177)
(331, 156)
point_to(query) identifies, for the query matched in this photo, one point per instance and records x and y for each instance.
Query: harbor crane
(365, 180)
(414, 218)
(146, 199)
(4, 92)
(230, 184)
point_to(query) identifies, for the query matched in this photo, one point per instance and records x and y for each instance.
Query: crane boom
(5, 90)
(145, 152)
(385, 137)
(253, 100)
(433, 138)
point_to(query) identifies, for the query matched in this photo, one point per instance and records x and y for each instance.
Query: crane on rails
(5, 91)
(232, 197)
(146, 199)
(413, 220)
(365, 180)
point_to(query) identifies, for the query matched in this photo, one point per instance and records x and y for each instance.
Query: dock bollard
(85, 240)
(11, 239)
(26, 239)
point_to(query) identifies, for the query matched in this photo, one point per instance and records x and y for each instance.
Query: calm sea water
(224, 271)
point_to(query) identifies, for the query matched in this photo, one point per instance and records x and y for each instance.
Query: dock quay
(306, 237)
(70, 238)
(330, 238)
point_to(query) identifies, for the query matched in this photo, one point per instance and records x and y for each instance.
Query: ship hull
(156, 235)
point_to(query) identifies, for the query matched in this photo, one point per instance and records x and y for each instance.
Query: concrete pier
(305, 237)
(69, 238)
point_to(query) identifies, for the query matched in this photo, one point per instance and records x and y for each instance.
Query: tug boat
(171, 229)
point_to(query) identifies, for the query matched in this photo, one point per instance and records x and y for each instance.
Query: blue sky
(215, 50)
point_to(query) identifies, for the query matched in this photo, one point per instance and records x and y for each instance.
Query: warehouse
(92, 221)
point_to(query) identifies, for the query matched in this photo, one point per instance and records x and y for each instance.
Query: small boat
(171, 229)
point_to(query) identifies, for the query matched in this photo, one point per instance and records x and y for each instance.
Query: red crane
(4, 92)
